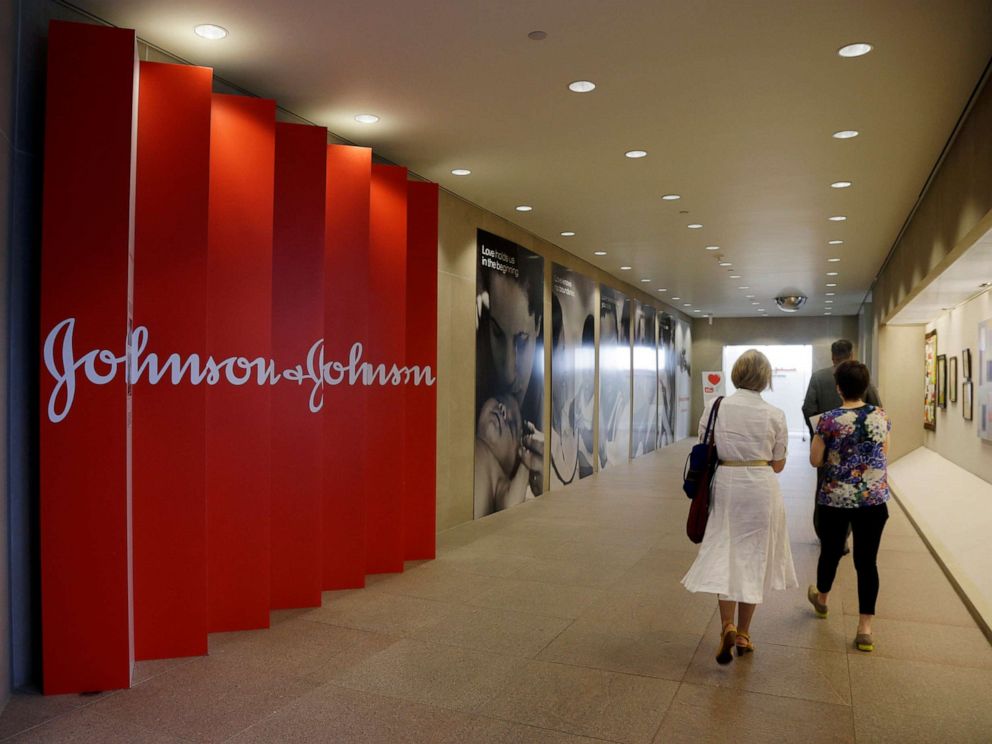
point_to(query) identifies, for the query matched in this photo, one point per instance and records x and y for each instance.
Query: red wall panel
(239, 324)
(346, 283)
(421, 350)
(386, 437)
(297, 323)
(170, 287)
(85, 269)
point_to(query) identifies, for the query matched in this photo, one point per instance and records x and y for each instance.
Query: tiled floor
(563, 620)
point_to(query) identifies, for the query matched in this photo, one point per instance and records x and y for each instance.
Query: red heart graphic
(715, 379)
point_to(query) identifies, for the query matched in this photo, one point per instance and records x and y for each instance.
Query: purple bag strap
(710, 436)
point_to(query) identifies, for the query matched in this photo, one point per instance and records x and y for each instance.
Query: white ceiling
(735, 103)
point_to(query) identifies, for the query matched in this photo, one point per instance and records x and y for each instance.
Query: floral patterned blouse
(854, 460)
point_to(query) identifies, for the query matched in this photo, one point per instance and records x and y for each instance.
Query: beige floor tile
(471, 561)
(145, 670)
(556, 600)
(26, 710)
(661, 653)
(434, 674)
(587, 572)
(85, 726)
(381, 612)
(936, 644)
(495, 631)
(634, 613)
(587, 702)
(913, 701)
(495, 731)
(923, 596)
(714, 715)
(441, 582)
(207, 700)
(337, 714)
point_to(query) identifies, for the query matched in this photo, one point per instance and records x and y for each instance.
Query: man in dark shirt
(822, 396)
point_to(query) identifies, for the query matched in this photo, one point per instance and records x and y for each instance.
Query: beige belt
(745, 463)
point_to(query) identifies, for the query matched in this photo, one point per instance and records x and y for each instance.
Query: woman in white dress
(746, 546)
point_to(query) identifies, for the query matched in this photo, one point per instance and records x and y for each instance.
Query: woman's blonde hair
(752, 371)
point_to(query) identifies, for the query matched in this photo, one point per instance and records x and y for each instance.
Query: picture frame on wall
(967, 397)
(966, 364)
(952, 379)
(930, 381)
(942, 381)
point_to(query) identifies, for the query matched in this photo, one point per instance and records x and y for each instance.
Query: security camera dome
(790, 303)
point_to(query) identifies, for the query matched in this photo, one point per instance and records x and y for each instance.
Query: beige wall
(708, 342)
(900, 383)
(458, 221)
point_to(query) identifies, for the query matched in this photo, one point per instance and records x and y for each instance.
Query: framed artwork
(930, 382)
(952, 380)
(966, 364)
(983, 385)
(942, 381)
(967, 396)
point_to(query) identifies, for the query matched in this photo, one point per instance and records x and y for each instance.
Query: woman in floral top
(853, 443)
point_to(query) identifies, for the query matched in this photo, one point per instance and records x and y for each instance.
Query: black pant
(867, 523)
(821, 475)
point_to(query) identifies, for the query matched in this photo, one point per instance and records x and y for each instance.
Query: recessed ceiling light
(744, 287)
(841, 185)
(210, 31)
(831, 284)
(686, 304)
(582, 86)
(837, 218)
(735, 276)
(367, 118)
(568, 234)
(624, 268)
(827, 302)
(694, 226)
(695, 311)
(671, 197)
(634, 154)
(538, 35)
(461, 172)
(599, 253)
(755, 303)
(833, 260)
(725, 263)
(762, 310)
(749, 297)
(645, 280)
(846, 134)
(676, 298)
(835, 242)
(827, 313)
(524, 208)
(662, 289)
(712, 247)
(831, 273)
(858, 49)
(830, 294)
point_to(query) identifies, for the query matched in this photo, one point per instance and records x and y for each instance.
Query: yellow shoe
(864, 642)
(728, 637)
(743, 644)
(812, 595)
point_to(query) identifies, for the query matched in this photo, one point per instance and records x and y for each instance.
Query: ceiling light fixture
(461, 172)
(695, 311)
(537, 35)
(841, 184)
(830, 294)
(831, 273)
(744, 287)
(625, 268)
(582, 86)
(599, 253)
(676, 298)
(568, 234)
(837, 218)
(858, 49)
(755, 303)
(827, 302)
(686, 304)
(712, 247)
(366, 118)
(846, 134)
(645, 280)
(694, 226)
(210, 31)
(749, 297)
(725, 263)
(635, 154)
(835, 242)
(671, 197)
(524, 208)
(662, 289)
(735, 276)
(833, 260)
(831, 284)
(827, 313)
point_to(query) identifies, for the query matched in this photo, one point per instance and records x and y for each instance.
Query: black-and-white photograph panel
(667, 380)
(683, 377)
(573, 375)
(509, 374)
(614, 377)
(644, 431)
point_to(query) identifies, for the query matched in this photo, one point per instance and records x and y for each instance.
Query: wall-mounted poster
(667, 380)
(942, 381)
(984, 392)
(573, 375)
(930, 382)
(614, 377)
(967, 400)
(683, 378)
(644, 434)
(952, 380)
(966, 364)
(509, 374)
(714, 385)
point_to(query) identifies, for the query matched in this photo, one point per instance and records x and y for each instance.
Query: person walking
(851, 444)
(822, 396)
(745, 549)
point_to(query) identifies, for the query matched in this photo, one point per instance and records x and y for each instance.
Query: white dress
(746, 546)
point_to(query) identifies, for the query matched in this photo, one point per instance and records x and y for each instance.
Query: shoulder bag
(698, 472)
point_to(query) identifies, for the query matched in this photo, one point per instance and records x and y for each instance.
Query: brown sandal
(728, 637)
(743, 643)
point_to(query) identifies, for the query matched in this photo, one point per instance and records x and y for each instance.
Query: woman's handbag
(699, 469)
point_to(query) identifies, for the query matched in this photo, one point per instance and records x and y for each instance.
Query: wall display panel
(297, 325)
(683, 378)
(984, 392)
(385, 541)
(419, 515)
(509, 382)
(170, 288)
(614, 377)
(84, 435)
(573, 375)
(952, 380)
(239, 324)
(668, 373)
(346, 320)
(942, 381)
(644, 429)
(930, 382)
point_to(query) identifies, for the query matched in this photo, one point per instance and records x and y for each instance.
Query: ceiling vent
(790, 303)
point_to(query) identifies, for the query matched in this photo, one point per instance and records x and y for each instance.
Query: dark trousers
(867, 523)
(821, 475)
